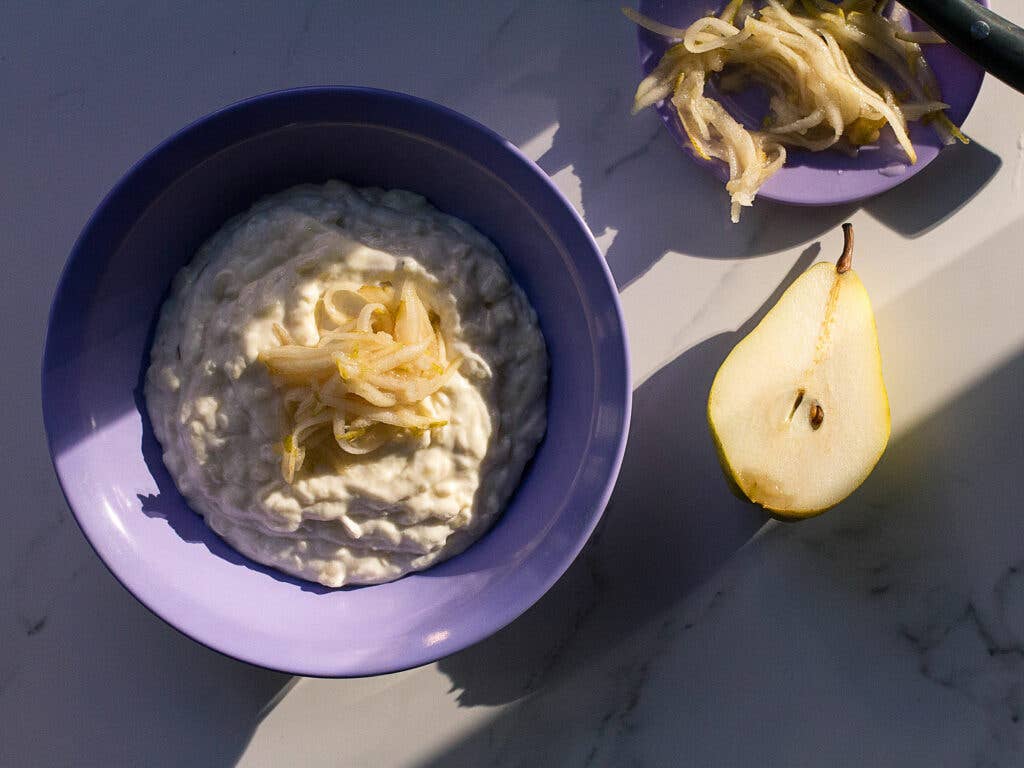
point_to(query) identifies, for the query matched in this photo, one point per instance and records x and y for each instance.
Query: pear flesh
(799, 410)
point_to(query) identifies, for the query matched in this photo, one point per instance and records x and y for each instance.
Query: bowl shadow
(668, 527)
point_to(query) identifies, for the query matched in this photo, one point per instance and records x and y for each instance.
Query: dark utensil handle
(992, 41)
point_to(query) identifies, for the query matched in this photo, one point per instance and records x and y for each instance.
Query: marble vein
(634, 154)
(496, 37)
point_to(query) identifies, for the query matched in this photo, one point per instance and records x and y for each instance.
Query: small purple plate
(101, 326)
(822, 178)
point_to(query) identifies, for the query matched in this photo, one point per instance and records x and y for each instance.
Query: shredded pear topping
(834, 71)
(369, 377)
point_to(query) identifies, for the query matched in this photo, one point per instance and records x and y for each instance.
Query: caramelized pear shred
(369, 378)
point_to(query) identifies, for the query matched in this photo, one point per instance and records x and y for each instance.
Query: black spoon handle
(992, 41)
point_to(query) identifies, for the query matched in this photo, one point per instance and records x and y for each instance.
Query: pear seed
(796, 404)
(817, 415)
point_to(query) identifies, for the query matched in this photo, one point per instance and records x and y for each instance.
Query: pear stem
(846, 259)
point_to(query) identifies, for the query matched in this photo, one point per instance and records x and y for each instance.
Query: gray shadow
(949, 182)
(669, 525)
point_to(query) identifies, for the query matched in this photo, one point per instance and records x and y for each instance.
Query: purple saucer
(823, 178)
(100, 331)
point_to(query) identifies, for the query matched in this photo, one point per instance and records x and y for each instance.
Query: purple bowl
(821, 178)
(101, 326)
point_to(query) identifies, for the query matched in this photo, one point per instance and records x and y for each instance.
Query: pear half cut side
(798, 410)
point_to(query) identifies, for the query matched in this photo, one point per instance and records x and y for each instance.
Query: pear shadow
(950, 181)
(669, 525)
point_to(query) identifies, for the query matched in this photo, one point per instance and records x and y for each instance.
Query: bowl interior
(820, 178)
(101, 328)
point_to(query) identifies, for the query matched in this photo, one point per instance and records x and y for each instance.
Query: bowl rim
(503, 615)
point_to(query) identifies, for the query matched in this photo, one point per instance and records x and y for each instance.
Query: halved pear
(798, 409)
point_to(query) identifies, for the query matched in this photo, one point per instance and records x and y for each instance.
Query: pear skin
(798, 410)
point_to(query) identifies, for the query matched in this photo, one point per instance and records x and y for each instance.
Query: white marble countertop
(889, 632)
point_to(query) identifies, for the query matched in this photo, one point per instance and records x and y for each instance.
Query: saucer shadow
(949, 182)
(670, 524)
